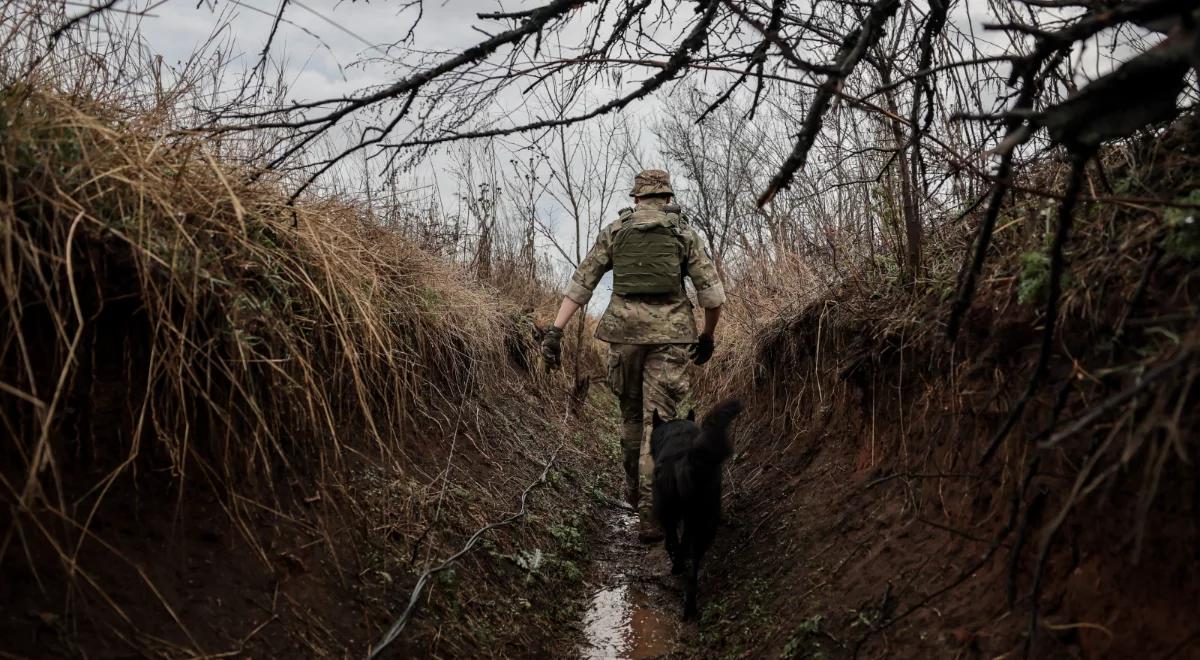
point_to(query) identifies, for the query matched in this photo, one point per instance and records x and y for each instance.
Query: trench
(635, 604)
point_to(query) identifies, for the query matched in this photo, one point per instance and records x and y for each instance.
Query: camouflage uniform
(649, 335)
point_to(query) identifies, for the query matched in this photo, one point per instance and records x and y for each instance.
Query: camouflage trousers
(645, 378)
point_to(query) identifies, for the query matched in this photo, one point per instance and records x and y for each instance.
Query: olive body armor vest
(647, 254)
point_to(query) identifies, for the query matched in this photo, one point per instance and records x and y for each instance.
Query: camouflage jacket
(657, 319)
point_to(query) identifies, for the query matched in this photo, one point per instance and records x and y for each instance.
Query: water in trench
(634, 612)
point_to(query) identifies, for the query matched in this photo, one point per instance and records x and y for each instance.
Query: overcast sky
(324, 44)
(330, 47)
(327, 48)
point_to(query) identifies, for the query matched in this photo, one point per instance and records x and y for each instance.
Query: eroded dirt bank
(239, 427)
(873, 509)
(867, 532)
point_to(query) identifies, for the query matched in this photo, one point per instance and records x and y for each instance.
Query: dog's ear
(655, 420)
(692, 415)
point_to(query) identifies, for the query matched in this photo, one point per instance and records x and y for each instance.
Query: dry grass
(335, 322)
(170, 320)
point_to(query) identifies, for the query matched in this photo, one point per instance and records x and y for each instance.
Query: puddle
(632, 616)
(622, 623)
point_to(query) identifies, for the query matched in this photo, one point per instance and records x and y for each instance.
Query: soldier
(649, 324)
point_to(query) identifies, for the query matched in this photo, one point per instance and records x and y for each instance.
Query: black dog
(687, 486)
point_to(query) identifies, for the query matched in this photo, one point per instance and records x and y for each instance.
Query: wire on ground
(423, 581)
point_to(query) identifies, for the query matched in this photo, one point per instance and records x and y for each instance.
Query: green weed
(806, 642)
(568, 570)
(449, 578)
(1183, 229)
(1035, 277)
(569, 536)
(531, 561)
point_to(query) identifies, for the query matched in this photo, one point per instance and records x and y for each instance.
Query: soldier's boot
(649, 530)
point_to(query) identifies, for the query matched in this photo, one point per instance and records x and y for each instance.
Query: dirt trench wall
(231, 427)
(859, 519)
(865, 515)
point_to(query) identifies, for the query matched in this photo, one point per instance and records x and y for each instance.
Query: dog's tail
(715, 437)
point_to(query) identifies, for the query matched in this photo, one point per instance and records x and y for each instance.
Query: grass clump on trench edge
(235, 425)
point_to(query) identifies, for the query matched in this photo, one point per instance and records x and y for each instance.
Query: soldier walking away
(649, 324)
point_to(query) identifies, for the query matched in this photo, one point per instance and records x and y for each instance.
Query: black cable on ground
(396, 628)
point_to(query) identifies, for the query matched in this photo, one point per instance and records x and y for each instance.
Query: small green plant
(448, 577)
(613, 451)
(569, 570)
(1035, 277)
(866, 617)
(803, 644)
(569, 537)
(714, 612)
(531, 561)
(430, 299)
(811, 625)
(1183, 229)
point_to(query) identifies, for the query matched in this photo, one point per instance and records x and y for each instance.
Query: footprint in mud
(635, 613)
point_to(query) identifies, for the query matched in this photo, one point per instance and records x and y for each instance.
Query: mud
(635, 604)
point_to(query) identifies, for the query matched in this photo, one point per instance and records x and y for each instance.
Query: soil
(868, 522)
(182, 580)
(831, 558)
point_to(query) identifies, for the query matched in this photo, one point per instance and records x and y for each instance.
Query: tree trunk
(908, 197)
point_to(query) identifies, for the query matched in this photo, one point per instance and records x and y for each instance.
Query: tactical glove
(552, 346)
(703, 350)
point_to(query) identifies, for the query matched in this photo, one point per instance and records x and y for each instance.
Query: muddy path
(634, 603)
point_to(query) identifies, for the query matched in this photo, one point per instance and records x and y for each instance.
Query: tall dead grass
(763, 294)
(169, 318)
(177, 338)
